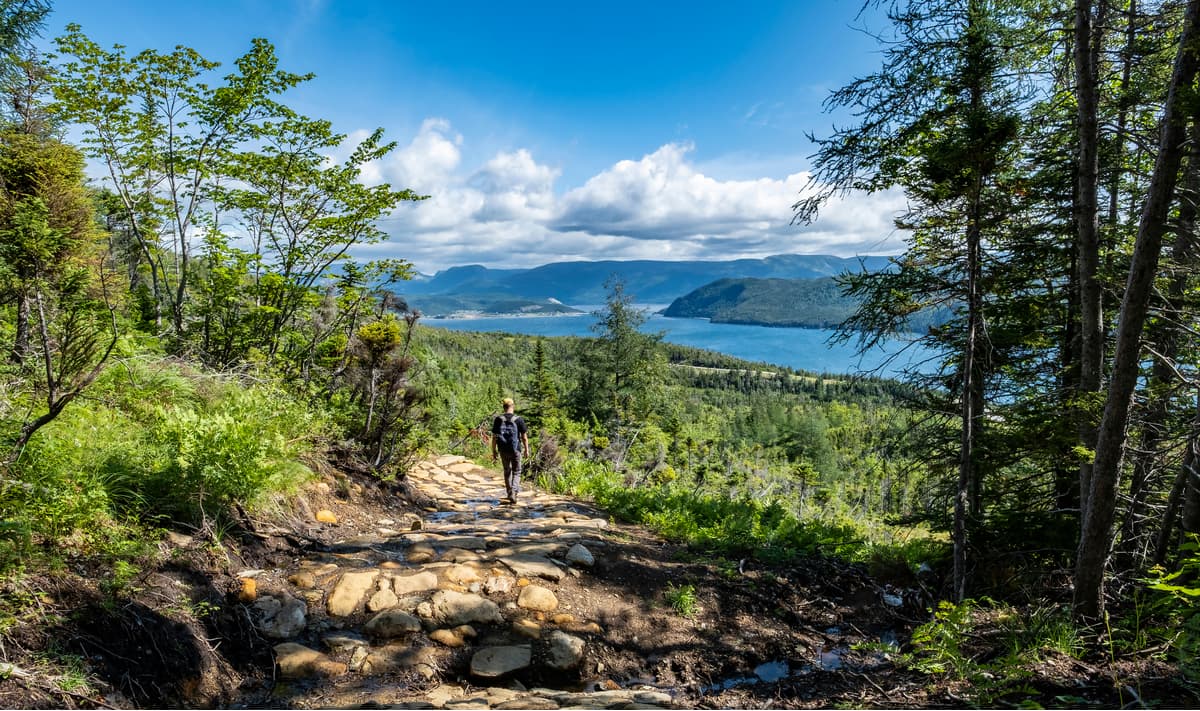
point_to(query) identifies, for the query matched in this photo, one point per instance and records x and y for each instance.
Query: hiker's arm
(525, 441)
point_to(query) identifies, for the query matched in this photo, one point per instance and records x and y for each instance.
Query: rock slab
(494, 662)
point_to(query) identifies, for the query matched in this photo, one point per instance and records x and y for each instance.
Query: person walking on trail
(510, 439)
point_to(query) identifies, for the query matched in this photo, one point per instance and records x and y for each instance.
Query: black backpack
(508, 437)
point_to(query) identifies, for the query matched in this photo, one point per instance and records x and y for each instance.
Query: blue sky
(561, 130)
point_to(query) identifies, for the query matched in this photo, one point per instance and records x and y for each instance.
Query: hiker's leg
(516, 475)
(509, 464)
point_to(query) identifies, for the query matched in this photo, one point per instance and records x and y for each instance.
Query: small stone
(495, 662)
(447, 637)
(527, 628)
(382, 600)
(498, 584)
(341, 641)
(322, 487)
(385, 522)
(565, 651)
(459, 555)
(462, 574)
(359, 656)
(466, 631)
(580, 555)
(180, 540)
(326, 516)
(536, 597)
(563, 619)
(249, 591)
(280, 617)
(303, 580)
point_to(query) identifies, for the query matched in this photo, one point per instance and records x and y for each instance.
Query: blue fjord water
(800, 348)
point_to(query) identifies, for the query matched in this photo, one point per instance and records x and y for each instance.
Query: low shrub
(241, 446)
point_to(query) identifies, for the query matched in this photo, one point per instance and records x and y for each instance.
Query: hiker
(510, 439)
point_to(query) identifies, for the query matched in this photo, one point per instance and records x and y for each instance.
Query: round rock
(536, 597)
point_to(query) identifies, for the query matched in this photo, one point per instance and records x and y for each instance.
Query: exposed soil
(812, 634)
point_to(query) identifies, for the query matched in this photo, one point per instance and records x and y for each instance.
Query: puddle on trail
(829, 658)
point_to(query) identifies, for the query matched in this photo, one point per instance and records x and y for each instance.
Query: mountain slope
(649, 281)
(811, 303)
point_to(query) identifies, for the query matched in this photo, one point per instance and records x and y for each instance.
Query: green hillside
(808, 303)
(798, 303)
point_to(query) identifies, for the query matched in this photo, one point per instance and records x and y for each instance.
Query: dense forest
(187, 340)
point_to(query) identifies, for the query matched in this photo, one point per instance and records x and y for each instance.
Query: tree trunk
(1087, 38)
(967, 494)
(1095, 537)
(20, 348)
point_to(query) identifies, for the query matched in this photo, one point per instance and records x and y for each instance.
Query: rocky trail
(474, 603)
(431, 593)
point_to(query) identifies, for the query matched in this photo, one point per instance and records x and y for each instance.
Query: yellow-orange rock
(326, 516)
(249, 591)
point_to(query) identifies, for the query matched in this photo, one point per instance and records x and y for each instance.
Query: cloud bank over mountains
(508, 213)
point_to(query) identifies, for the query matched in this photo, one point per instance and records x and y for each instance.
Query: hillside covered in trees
(804, 303)
(190, 350)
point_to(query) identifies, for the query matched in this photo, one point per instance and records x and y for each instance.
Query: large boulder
(454, 608)
(349, 592)
(392, 623)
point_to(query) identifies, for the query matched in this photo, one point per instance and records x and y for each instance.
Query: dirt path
(549, 604)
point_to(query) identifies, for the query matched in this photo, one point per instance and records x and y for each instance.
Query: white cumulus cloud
(508, 213)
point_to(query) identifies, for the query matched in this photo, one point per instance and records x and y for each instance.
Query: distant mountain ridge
(648, 281)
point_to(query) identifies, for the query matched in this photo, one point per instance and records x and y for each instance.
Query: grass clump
(682, 599)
